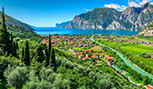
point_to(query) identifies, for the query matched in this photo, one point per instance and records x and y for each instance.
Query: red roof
(149, 86)
(86, 58)
(94, 56)
(106, 56)
(81, 55)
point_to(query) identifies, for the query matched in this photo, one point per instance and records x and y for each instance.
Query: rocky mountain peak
(132, 18)
(146, 5)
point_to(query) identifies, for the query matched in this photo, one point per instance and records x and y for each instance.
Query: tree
(46, 56)
(27, 53)
(22, 53)
(17, 77)
(14, 48)
(39, 54)
(52, 58)
(105, 84)
(11, 37)
(50, 44)
(5, 42)
(14, 53)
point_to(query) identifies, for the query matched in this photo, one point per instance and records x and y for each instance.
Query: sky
(46, 13)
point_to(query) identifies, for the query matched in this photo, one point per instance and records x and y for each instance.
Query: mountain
(147, 30)
(11, 21)
(131, 18)
(20, 29)
(62, 25)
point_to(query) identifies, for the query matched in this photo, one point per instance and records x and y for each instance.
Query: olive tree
(17, 77)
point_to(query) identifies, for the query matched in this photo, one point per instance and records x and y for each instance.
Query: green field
(137, 48)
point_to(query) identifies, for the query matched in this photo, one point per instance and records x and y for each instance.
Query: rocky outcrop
(147, 30)
(115, 26)
(131, 18)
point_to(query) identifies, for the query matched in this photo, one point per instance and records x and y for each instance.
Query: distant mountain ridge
(131, 18)
(62, 25)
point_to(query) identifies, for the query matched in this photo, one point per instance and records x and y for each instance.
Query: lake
(61, 31)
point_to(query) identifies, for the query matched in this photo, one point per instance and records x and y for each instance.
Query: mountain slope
(20, 29)
(131, 18)
(11, 21)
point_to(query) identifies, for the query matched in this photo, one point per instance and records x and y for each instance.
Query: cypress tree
(14, 48)
(52, 58)
(5, 42)
(11, 37)
(50, 44)
(22, 53)
(27, 53)
(46, 56)
(39, 54)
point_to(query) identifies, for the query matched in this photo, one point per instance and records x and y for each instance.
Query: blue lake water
(60, 31)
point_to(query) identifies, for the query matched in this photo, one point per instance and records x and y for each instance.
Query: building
(96, 54)
(101, 55)
(86, 58)
(81, 56)
(95, 57)
(108, 58)
(87, 55)
(149, 86)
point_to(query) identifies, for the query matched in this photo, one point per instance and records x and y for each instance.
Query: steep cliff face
(115, 26)
(96, 19)
(131, 18)
(130, 14)
(145, 17)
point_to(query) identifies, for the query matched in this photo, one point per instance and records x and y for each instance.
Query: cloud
(144, 1)
(116, 6)
(86, 9)
(151, 3)
(133, 4)
(138, 3)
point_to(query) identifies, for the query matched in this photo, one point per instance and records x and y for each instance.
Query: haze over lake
(61, 31)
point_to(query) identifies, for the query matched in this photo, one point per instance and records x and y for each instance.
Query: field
(134, 49)
(137, 48)
(96, 48)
